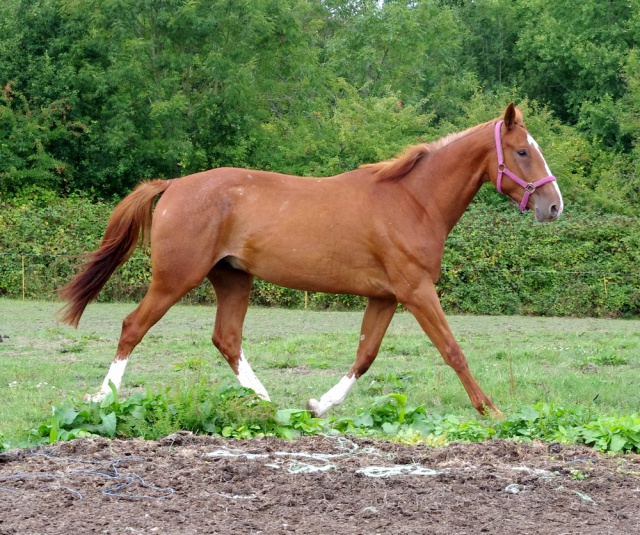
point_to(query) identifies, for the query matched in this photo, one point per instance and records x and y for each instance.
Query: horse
(377, 231)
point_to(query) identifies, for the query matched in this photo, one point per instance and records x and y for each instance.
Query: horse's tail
(130, 217)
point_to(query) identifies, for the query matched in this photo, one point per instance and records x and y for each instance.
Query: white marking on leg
(333, 397)
(115, 374)
(249, 379)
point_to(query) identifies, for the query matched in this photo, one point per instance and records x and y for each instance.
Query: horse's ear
(510, 116)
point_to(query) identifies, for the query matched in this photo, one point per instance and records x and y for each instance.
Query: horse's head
(522, 173)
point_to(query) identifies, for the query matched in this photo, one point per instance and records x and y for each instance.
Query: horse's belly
(319, 274)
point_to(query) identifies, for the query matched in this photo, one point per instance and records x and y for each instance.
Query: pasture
(316, 485)
(300, 354)
(184, 483)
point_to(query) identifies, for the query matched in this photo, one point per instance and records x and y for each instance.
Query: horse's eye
(522, 152)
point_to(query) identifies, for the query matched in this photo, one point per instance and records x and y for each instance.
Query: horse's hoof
(312, 407)
(492, 412)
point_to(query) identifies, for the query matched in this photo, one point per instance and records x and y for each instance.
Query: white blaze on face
(533, 143)
(333, 397)
(248, 378)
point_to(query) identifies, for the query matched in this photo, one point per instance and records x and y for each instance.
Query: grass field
(300, 354)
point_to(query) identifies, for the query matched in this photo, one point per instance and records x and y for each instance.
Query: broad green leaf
(109, 423)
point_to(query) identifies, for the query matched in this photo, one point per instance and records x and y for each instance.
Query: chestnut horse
(378, 231)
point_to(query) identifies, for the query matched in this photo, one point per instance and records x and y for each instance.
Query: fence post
(23, 278)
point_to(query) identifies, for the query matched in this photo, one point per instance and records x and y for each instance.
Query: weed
(317, 365)
(234, 411)
(578, 475)
(390, 382)
(284, 364)
(590, 364)
(610, 360)
(192, 363)
(74, 346)
(412, 437)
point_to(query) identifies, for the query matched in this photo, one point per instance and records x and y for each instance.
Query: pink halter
(502, 170)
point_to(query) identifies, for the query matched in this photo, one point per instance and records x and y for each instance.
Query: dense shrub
(500, 262)
(496, 261)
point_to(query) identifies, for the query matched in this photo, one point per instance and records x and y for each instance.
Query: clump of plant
(3, 444)
(237, 412)
(232, 411)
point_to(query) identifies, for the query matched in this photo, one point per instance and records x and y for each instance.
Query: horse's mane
(403, 163)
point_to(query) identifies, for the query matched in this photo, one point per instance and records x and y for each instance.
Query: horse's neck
(449, 178)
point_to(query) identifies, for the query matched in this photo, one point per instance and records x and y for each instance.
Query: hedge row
(496, 262)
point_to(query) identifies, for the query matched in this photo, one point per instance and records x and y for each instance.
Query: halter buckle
(530, 188)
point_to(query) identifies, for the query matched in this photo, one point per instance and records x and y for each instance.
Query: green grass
(299, 354)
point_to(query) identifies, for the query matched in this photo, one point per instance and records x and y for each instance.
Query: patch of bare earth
(186, 484)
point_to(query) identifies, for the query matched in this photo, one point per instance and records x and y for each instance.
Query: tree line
(100, 94)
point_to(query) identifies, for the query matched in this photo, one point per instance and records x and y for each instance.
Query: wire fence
(39, 276)
(465, 289)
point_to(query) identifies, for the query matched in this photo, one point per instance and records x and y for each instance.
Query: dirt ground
(185, 484)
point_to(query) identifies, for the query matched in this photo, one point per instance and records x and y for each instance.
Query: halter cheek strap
(529, 187)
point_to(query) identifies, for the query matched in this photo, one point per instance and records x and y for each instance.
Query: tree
(570, 53)
(161, 87)
(410, 49)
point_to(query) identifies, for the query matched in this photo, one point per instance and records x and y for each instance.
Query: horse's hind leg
(160, 297)
(233, 288)
(377, 317)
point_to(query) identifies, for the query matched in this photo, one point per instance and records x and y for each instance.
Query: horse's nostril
(554, 211)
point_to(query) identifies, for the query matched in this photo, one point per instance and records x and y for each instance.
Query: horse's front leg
(424, 304)
(377, 317)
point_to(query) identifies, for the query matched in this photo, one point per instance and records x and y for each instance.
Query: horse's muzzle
(547, 214)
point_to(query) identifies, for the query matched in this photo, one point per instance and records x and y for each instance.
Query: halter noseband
(529, 188)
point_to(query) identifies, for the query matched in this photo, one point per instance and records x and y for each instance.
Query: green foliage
(389, 415)
(237, 412)
(155, 88)
(50, 235)
(585, 44)
(338, 135)
(294, 422)
(100, 94)
(415, 49)
(231, 411)
(500, 262)
(613, 433)
(574, 424)
(496, 261)
(27, 136)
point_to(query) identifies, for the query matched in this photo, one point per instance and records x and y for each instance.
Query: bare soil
(186, 484)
